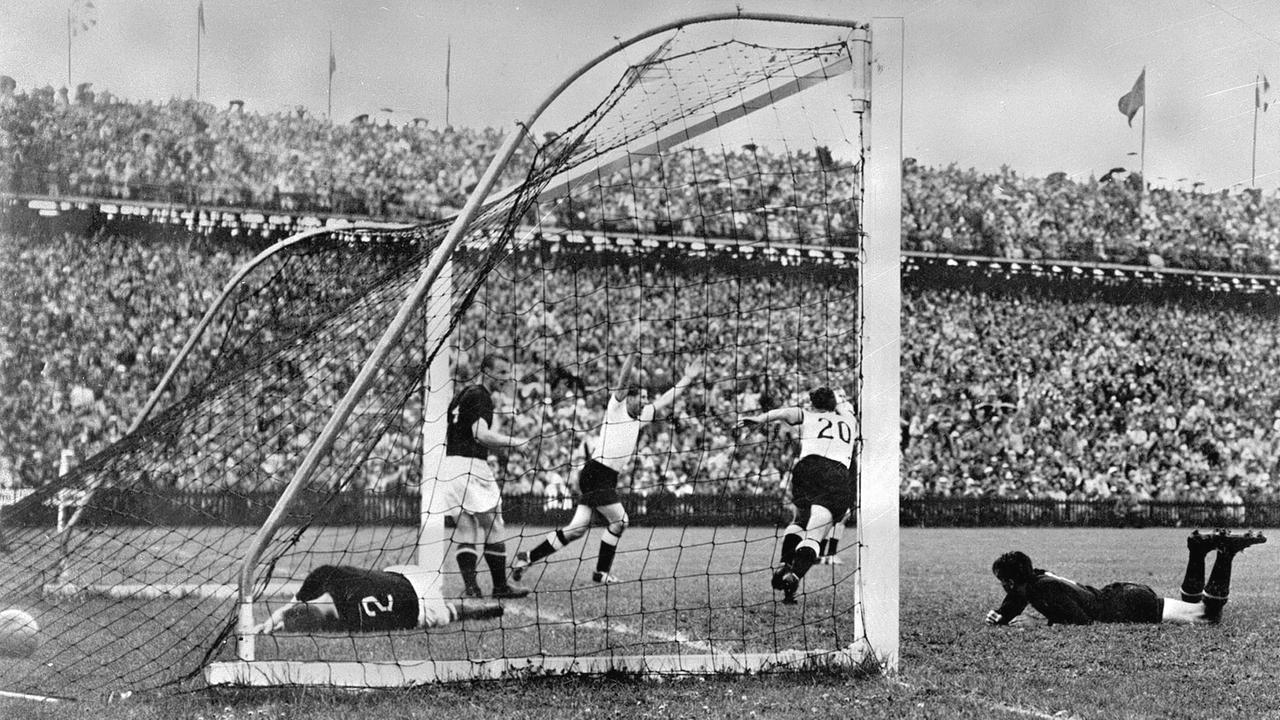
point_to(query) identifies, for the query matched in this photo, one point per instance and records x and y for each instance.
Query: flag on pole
(448, 61)
(83, 16)
(200, 17)
(1260, 93)
(333, 61)
(1135, 98)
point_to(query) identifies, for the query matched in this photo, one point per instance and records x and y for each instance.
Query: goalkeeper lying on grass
(340, 598)
(1066, 602)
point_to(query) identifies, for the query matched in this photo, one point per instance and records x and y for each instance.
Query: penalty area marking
(29, 696)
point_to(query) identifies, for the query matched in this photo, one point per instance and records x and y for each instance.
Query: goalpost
(734, 199)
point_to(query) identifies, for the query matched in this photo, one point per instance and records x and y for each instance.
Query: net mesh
(710, 167)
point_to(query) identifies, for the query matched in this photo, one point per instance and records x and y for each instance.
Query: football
(19, 633)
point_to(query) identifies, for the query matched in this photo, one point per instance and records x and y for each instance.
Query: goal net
(723, 206)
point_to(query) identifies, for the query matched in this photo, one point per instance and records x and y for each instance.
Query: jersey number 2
(372, 607)
(842, 429)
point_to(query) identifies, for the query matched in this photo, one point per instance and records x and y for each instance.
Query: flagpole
(448, 67)
(68, 48)
(1142, 164)
(329, 110)
(1142, 154)
(1253, 166)
(198, 18)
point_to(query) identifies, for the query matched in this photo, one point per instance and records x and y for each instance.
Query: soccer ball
(19, 633)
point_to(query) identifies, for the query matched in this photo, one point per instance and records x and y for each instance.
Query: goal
(731, 198)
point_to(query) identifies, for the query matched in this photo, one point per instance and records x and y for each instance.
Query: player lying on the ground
(627, 412)
(341, 598)
(1066, 602)
(821, 487)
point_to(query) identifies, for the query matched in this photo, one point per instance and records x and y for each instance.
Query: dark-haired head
(306, 618)
(1013, 567)
(823, 399)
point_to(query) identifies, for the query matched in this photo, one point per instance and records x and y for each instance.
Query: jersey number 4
(372, 607)
(842, 429)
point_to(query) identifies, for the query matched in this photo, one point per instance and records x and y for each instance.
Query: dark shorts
(597, 485)
(1130, 603)
(821, 481)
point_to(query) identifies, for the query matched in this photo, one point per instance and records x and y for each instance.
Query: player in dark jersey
(1066, 602)
(821, 487)
(341, 598)
(467, 486)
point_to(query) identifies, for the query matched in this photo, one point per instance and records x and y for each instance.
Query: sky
(1028, 84)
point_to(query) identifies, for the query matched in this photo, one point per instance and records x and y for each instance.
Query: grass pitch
(952, 664)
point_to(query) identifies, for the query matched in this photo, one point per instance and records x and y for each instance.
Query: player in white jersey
(624, 417)
(822, 489)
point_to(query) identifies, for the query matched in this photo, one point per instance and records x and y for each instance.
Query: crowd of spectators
(1017, 394)
(1109, 220)
(1005, 394)
(1035, 395)
(90, 325)
(184, 151)
(82, 351)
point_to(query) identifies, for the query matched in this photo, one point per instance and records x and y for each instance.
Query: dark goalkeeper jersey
(472, 404)
(367, 600)
(1066, 602)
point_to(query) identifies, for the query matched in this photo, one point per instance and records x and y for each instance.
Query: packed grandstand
(1169, 396)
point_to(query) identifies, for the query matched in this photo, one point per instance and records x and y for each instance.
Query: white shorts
(465, 485)
(433, 611)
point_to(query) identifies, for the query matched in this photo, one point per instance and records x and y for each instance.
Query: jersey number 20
(842, 429)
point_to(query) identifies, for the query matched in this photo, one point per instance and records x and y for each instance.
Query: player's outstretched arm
(667, 398)
(624, 377)
(273, 623)
(790, 415)
(995, 618)
(299, 616)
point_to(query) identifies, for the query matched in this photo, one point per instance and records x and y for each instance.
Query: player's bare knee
(618, 526)
(573, 532)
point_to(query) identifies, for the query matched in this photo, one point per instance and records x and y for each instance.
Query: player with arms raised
(340, 598)
(471, 491)
(821, 486)
(626, 414)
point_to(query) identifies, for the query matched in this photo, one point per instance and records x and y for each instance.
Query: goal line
(405, 673)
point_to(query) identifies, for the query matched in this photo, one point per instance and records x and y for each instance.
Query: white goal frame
(876, 590)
